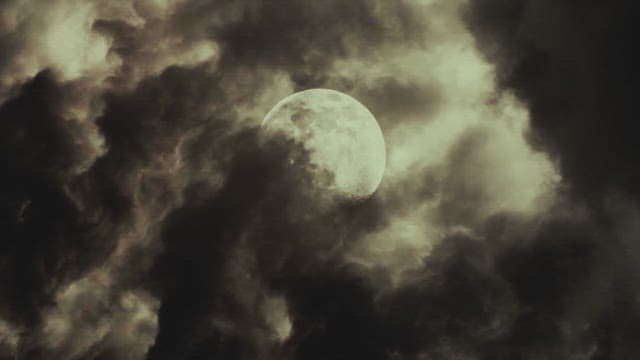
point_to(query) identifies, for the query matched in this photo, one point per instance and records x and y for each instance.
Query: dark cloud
(454, 305)
(275, 219)
(335, 316)
(145, 215)
(393, 100)
(304, 39)
(573, 65)
(47, 239)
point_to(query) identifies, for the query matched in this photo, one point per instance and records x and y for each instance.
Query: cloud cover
(144, 216)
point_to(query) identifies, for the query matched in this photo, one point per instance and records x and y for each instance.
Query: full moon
(340, 134)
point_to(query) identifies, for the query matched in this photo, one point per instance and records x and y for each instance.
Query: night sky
(144, 215)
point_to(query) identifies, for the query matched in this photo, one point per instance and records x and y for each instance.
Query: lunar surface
(342, 137)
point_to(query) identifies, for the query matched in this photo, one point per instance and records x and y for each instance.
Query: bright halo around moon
(340, 134)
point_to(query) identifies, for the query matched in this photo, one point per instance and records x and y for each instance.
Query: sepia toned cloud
(146, 216)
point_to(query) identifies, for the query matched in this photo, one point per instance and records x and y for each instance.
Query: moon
(340, 135)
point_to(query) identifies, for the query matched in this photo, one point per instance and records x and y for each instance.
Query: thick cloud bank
(145, 216)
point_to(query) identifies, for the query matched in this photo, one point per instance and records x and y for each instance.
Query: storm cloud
(144, 214)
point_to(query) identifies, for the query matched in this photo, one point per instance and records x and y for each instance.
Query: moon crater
(340, 134)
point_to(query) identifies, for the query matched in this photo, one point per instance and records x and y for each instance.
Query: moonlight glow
(341, 135)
